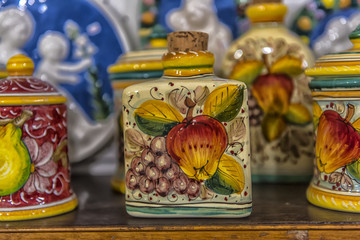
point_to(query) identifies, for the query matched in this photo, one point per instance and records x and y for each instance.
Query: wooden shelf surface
(279, 212)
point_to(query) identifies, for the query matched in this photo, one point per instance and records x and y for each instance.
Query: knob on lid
(20, 65)
(187, 41)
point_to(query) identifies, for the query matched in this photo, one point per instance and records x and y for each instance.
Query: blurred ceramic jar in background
(271, 60)
(131, 68)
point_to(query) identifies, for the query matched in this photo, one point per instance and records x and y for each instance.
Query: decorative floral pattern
(42, 166)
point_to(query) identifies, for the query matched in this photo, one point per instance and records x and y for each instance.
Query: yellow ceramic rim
(123, 84)
(333, 70)
(136, 66)
(333, 201)
(266, 12)
(335, 94)
(158, 43)
(41, 212)
(187, 72)
(30, 100)
(118, 185)
(188, 59)
(3, 74)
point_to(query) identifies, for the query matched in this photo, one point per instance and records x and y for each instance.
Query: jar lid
(21, 88)
(342, 64)
(266, 11)
(135, 67)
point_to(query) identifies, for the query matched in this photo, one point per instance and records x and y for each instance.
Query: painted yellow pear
(15, 163)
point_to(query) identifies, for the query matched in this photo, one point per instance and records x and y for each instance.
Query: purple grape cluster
(155, 171)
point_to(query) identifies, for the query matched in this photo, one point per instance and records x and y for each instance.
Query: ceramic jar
(187, 149)
(34, 166)
(270, 60)
(131, 68)
(335, 90)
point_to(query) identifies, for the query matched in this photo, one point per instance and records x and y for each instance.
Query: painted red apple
(337, 141)
(273, 92)
(197, 144)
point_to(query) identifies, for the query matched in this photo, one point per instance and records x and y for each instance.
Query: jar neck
(267, 25)
(189, 63)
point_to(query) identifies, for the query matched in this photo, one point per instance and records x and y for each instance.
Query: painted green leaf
(156, 118)
(247, 71)
(224, 103)
(229, 177)
(272, 126)
(298, 114)
(354, 170)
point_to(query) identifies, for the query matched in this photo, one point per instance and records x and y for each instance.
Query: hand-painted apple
(197, 144)
(337, 141)
(273, 92)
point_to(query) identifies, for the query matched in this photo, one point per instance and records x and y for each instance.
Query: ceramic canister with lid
(131, 68)
(271, 61)
(34, 165)
(187, 138)
(336, 106)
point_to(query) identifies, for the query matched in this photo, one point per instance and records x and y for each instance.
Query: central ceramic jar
(34, 164)
(336, 92)
(187, 148)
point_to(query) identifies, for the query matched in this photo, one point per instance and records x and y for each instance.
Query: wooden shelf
(279, 211)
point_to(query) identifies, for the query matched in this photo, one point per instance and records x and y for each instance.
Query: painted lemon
(15, 163)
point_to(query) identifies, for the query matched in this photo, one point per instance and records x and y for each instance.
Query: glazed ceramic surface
(270, 60)
(187, 149)
(35, 178)
(131, 68)
(72, 44)
(335, 90)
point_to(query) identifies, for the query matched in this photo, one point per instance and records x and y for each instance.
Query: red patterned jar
(34, 164)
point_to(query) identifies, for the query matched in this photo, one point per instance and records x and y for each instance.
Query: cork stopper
(187, 41)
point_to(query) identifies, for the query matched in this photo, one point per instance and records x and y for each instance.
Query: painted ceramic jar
(131, 68)
(72, 50)
(336, 106)
(271, 60)
(187, 149)
(34, 169)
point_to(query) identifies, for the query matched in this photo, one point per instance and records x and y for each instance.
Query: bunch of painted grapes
(156, 171)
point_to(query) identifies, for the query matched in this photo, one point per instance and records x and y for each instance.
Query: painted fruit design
(270, 75)
(197, 146)
(15, 162)
(337, 141)
(187, 155)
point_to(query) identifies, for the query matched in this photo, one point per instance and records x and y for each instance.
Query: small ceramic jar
(271, 61)
(34, 165)
(187, 148)
(335, 90)
(131, 68)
